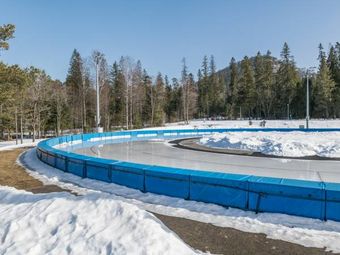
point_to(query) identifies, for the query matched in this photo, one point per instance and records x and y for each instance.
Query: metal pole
(307, 102)
(97, 90)
(288, 112)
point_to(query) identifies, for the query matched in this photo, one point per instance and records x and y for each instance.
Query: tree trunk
(58, 125)
(39, 125)
(33, 122)
(16, 125)
(84, 111)
(127, 106)
(21, 126)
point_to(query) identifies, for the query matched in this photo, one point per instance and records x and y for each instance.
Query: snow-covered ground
(95, 223)
(108, 218)
(314, 123)
(292, 144)
(304, 231)
(9, 145)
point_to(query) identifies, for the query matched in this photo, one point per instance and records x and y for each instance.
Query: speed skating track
(142, 160)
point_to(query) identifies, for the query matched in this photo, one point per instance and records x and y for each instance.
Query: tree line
(266, 87)
(255, 87)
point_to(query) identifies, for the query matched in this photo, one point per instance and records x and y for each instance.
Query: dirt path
(11, 174)
(229, 241)
(201, 236)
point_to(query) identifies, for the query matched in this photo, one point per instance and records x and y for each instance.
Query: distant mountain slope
(224, 74)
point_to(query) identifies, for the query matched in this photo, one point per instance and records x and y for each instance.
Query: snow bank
(10, 145)
(314, 123)
(292, 144)
(96, 223)
(299, 230)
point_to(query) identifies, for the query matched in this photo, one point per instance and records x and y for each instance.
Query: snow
(292, 144)
(299, 230)
(314, 123)
(110, 219)
(61, 223)
(9, 145)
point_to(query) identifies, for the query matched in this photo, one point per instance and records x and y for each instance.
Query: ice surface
(156, 153)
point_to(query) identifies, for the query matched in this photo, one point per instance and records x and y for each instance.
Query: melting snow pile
(10, 145)
(289, 144)
(61, 223)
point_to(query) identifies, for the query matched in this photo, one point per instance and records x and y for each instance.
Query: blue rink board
(256, 193)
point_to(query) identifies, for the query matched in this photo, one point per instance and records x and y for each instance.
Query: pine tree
(286, 82)
(333, 63)
(74, 84)
(323, 89)
(117, 107)
(192, 97)
(185, 90)
(176, 100)
(212, 87)
(203, 88)
(259, 76)
(138, 95)
(246, 89)
(233, 98)
(158, 116)
(268, 81)
(148, 108)
(6, 33)
(168, 99)
(216, 91)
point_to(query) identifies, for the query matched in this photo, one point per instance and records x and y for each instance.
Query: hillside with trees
(260, 86)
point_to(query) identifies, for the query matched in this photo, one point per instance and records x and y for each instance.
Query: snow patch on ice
(291, 144)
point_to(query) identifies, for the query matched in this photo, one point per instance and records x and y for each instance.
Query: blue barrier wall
(260, 194)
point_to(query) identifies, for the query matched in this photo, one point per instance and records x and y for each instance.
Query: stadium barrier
(312, 199)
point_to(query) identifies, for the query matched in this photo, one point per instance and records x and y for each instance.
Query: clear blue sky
(161, 32)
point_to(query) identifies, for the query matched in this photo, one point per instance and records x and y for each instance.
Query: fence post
(55, 161)
(325, 207)
(189, 193)
(258, 202)
(84, 169)
(144, 185)
(110, 173)
(66, 163)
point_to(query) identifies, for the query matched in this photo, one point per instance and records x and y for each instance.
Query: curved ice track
(160, 154)
(299, 187)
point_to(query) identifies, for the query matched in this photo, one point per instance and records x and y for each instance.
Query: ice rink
(163, 154)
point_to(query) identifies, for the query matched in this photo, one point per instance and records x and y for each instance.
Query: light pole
(97, 94)
(308, 71)
(97, 59)
(307, 101)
